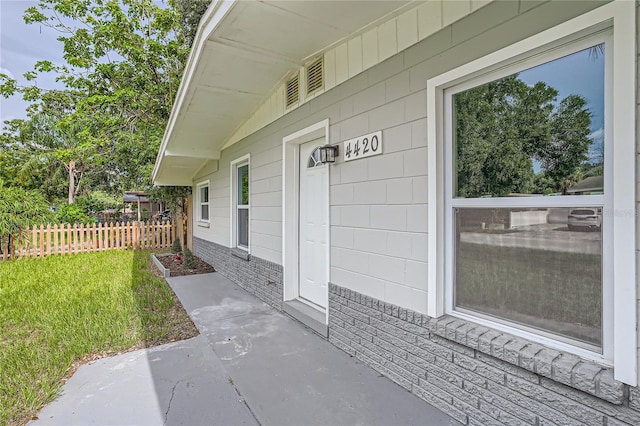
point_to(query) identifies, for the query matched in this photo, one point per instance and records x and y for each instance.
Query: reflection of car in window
(584, 219)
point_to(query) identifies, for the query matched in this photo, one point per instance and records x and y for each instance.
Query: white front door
(313, 225)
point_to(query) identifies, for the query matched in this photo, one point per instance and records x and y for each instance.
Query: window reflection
(540, 131)
(243, 228)
(538, 267)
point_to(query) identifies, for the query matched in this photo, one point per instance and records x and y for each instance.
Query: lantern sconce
(328, 154)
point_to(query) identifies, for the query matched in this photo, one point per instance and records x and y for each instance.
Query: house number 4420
(362, 146)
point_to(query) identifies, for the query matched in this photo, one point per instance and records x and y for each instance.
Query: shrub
(19, 210)
(189, 260)
(176, 247)
(73, 213)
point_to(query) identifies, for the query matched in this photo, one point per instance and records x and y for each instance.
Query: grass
(58, 311)
(561, 290)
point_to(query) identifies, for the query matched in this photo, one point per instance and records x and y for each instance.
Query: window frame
(618, 235)
(235, 206)
(200, 203)
(534, 201)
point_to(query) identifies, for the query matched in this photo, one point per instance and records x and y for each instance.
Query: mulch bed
(177, 268)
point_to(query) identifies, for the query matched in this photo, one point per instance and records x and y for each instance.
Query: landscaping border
(165, 272)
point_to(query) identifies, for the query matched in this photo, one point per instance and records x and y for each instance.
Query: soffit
(238, 62)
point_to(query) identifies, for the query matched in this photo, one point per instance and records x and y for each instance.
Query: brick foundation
(475, 374)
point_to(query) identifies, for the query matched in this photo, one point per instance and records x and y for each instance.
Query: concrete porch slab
(286, 373)
(250, 365)
(181, 383)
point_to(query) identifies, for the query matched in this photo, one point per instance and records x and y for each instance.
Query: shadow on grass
(161, 315)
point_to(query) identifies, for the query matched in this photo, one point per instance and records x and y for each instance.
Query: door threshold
(313, 317)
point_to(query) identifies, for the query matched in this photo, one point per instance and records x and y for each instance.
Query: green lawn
(61, 309)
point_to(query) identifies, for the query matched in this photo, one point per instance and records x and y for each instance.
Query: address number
(362, 146)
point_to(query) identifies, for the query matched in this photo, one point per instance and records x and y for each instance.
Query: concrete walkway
(250, 365)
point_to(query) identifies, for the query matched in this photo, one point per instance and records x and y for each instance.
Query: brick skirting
(475, 374)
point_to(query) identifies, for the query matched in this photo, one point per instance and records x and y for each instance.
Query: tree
(48, 141)
(501, 127)
(190, 12)
(19, 210)
(124, 60)
(175, 197)
(563, 156)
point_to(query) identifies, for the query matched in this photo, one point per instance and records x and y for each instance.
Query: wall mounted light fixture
(328, 154)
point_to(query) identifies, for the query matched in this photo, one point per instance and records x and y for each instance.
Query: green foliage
(98, 201)
(502, 126)
(190, 12)
(123, 64)
(176, 247)
(19, 210)
(189, 260)
(73, 213)
(59, 309)
(174, 197)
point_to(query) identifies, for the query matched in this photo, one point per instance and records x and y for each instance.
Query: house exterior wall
(365, 50)
(378, 227)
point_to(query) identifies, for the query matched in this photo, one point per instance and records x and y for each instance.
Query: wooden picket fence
(78, 238)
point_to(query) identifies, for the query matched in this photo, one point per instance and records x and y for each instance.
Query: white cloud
(597, 135)
(7, 72)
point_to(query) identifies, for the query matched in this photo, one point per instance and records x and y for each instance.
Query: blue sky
(580, 74)
(21, 46)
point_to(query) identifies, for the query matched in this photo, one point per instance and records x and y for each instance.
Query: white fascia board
(214, 15)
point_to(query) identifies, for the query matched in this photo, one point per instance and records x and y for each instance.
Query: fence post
(144, 236)
(41, 240)
(54, 238)
(136, 236)
(47, 250)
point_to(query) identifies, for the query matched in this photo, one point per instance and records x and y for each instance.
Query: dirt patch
(176, 266)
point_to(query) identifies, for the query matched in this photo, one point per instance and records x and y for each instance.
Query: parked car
(163, 215)
(585, 218)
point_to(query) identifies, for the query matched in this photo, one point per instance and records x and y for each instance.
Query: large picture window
(527, 158)
(531, 155)
(240, 203)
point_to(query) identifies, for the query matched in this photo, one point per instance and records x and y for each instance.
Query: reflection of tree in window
(245, 189)
(505, 129)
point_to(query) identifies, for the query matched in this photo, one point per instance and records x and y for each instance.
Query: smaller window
(203, 202)
(240, 203)
(243, 206)
(314, 159)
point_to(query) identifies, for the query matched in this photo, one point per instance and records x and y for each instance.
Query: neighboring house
(402, 251)
(138, 203)
(588, 186)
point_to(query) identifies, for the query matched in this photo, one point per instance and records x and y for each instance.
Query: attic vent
(293, 91)
(315, 75)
